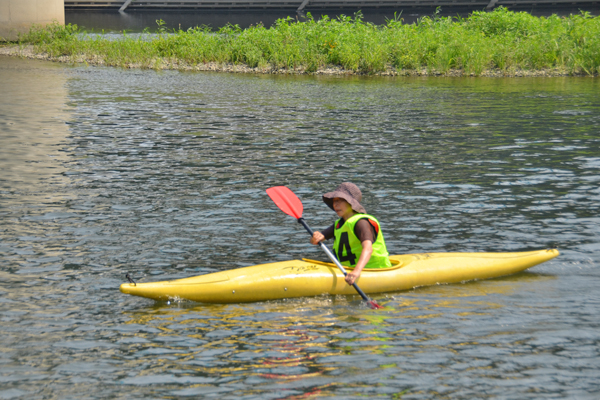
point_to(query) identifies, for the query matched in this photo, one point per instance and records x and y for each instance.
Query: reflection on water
(162, 175)
(32, 142)
(321, 345)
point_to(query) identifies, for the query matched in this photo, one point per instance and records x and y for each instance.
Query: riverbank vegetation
(501, 43)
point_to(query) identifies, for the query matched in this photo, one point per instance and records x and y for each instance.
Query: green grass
(501, 41)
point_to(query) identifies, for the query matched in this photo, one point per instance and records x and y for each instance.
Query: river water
(140, 20)
(163, 175)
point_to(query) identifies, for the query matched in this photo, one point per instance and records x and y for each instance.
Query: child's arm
(364, 258)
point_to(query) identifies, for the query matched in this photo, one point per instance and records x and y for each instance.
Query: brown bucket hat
(349, 192)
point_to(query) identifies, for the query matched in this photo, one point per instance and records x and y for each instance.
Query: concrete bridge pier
(17, 16)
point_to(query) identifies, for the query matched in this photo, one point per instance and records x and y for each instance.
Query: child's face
(342, 207)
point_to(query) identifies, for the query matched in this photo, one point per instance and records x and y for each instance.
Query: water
(162, 175)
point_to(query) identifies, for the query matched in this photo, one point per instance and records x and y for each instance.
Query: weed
(501, 40)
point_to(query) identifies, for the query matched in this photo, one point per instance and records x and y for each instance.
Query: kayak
(302, 278)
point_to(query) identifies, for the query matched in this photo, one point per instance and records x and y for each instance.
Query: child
(358, 240)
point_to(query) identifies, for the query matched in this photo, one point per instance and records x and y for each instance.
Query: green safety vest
(347, 247)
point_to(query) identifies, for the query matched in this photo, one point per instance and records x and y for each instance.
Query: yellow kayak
(299, 278)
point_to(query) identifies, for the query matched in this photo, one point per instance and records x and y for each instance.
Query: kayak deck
(300, 278)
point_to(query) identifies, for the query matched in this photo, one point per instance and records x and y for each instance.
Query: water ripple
(162, 175)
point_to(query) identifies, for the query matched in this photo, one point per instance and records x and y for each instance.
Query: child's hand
(317, 237)
(352, 277)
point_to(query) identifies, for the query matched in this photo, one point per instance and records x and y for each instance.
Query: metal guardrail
(146, 5)
(177, 5)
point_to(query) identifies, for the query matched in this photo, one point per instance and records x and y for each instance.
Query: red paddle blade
(374, 305)
(286, 200)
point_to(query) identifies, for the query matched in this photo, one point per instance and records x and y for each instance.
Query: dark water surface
(137, 21)
(162, 175)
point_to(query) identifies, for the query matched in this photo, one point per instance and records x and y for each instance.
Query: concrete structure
(17, 16)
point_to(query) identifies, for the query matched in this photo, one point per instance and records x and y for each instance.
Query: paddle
(290, 204)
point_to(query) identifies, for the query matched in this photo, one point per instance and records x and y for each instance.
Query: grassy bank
(498, 43)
